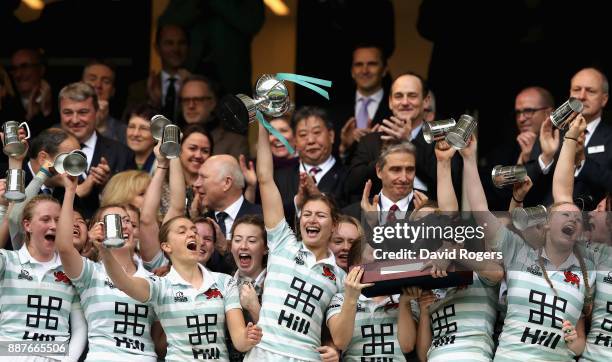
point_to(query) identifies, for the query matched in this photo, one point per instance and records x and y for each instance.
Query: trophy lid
(158, 122)
(272, 96)
(235, 112)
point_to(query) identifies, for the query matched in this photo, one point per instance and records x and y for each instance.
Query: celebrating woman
(549, 289)
(302, 276)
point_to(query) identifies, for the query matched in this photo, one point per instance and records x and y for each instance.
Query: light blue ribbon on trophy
(305, 81)
(308, 82)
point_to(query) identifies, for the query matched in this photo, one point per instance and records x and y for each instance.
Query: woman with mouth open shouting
(302, 276)
(32, 278)
(104, 305)
(549, 289)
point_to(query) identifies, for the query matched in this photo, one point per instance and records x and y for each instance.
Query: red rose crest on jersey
(572, 278)
(328, 273)
(213, 293)
(61, 277)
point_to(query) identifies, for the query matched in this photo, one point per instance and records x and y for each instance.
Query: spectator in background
(369, 67)
(78, 110)
(126, 188)
(281, 156)
(28, 69)
(198, 100)
(161, 88)
(101, 75)
(213, 26)
(139, 136)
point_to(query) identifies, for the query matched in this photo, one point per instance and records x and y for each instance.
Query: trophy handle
(27, 129)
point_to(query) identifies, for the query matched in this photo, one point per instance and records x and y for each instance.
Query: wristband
(518, 201)
(45, 171)
(571, 138)
(163, 168)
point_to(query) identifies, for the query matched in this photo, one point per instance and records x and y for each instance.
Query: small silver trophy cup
(113, 231)
(158, 122)
(562, 116)
(271, 98)
(459, 136)
(12, 145)
(522, 218)
(73, 163)
(437, 130)
(508, 175)
(171, 141)
(15, 185)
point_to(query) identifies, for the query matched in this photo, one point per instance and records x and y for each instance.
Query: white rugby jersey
(462, 323)
(375, 331)
(118, 327)
(35, 304)
(599, 339)
(194, 319)
(296, 294)
(533, 326)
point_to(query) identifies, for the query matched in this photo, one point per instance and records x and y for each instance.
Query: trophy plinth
(390, 276)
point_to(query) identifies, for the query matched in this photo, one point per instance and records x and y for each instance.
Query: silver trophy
(562, 116)
(508, 175)
(459, 136)
(522, 218)
(15, 185)
(113, 231)
(158, 122)
(437, 130)
(73, 163)
(271, 98)
(12, 145)
(171, 141)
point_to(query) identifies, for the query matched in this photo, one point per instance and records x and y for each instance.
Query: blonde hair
(122, 187)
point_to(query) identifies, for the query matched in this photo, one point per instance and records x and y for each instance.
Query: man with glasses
(198, 99)
(27, 69)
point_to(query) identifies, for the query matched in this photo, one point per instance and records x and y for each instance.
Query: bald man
(219, 188)
(593, 175)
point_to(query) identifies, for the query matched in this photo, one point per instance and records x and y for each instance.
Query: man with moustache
(593, 156)
(408, 99)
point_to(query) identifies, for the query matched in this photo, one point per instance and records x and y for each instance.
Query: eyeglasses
(528, 112)
(196, 100)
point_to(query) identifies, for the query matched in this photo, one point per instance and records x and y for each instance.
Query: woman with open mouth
(249, 252)
(469, 311)
(549, 288)
(188, 296)
(106, 306)
(597, 348)
(302, 275)
(32, 278)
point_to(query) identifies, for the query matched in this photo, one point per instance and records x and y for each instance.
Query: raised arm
(341, 325)
(135, 287)
(149, 228)
(406, 326)
(71, 259)
(447, 199)
(475, 192)
(177, 190)
(271, 201)
(563, 178)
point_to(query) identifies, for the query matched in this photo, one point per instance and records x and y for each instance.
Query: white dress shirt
(89, 147)
(232, 213)
(325, 167)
